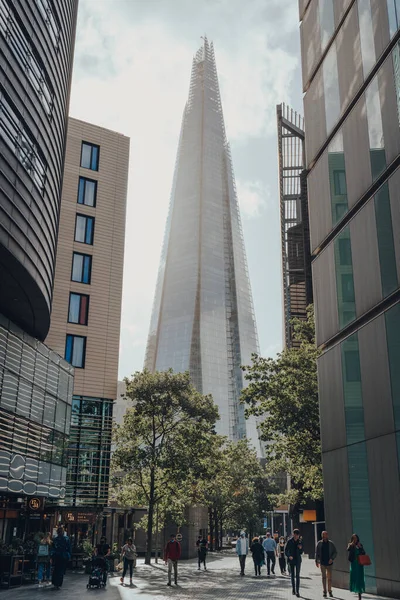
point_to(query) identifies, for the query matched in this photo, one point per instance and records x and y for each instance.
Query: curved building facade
(36, 55)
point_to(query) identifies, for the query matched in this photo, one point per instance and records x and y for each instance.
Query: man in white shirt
(242, 549)
(269, 546)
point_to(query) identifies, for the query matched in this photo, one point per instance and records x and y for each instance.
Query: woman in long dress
(357, 578)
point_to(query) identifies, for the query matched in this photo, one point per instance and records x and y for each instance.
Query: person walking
(357, 578)
(60, 555)
(172, 554)
(242, 549)
(325, 554)
(44, 559)
(128, 557)
(202, 549)
(281, 555)
(293, 551)
(269, 545)
(258, 555)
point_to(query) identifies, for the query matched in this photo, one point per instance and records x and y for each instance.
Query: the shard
(203, 318)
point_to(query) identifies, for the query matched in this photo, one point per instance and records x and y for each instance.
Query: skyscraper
(350, 55)
(203, 319)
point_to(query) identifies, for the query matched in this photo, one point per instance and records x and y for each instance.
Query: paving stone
(220, 582)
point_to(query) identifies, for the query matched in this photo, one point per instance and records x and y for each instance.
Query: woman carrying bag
(358, 560)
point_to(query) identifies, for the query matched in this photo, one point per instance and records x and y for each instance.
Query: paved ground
(221, 581)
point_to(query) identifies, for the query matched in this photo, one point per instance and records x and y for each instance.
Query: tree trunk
(211, 525)
(150, 520)
(221, 533)
(216, 529)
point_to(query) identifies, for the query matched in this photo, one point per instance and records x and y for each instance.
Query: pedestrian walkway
(221, 581)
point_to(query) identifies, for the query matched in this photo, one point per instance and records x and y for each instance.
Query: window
(26, 55)
(75, 349)
(87, 191)
(90, 156)
(21, 142)
(375, 129)
(50, 20)
(384, 230)
(345, 251)
(78, 308)
(331, 88)
(339, 182)
(81, 267)
(340, 210)
(84, 229)
(366, 36)
(348, 287)
(393, 7)
(392, 321)
(327, 21)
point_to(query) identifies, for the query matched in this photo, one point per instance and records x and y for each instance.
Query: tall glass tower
(203, 318)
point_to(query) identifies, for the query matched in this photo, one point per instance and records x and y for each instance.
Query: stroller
(98, 575)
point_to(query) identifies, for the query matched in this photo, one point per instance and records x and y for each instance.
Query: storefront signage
(35, 504)
(79, 517)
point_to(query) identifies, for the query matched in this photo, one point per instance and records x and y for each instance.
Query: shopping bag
(364, 560)
(119, 566)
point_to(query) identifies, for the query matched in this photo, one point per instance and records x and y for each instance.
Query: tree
(285, 392)
(163, 438)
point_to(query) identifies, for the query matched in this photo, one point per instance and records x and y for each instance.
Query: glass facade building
(350, 63)
(203, 318)
(35, 413)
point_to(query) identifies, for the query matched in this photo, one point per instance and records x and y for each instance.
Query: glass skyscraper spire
(203, 318)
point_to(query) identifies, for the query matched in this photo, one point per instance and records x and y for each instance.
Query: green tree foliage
(284, 391)
(161, 444)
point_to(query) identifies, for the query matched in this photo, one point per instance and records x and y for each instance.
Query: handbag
(364, 560)
(43, 550)
(119, 566)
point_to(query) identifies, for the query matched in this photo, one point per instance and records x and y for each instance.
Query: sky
(131, 74)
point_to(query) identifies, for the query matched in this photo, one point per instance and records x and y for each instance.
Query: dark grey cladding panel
(349, 58)
(356, 147)
(330, 385)
(364, 250)
(325, 296)
(389, 112)
(377, 398)
(394, 192)
(35, 77)
(384, 485)
(337, 503)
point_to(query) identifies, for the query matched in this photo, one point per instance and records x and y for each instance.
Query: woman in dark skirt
(258, 555)
(281, 553)
(357, 579)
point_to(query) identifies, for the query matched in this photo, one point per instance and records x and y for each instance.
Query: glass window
(345, 251)
(393, 7)
(337, 178)
(50, 20)
(392, 321)
(344, 278)
(339, 182)
(352, 390)
(78, 309)
(327, 21)
(81, 267)
(375, 129)
(366, 36)
(331, 88)
(90, 156)
(384, 230)
(361, 512)
(84, 229)
(75, 348)
(396, 74)
(87, 191)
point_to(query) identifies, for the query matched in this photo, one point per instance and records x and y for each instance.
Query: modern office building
(350, 63)
(36, 56)
(86, 315)
(295, 230)
(203, 319)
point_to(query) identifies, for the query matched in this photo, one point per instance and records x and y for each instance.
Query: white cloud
(252, 196)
